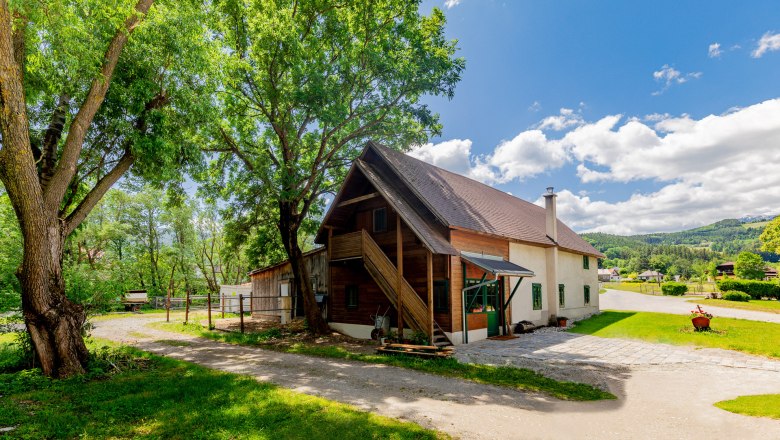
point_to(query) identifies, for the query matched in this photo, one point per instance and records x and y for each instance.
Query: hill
(685, 253)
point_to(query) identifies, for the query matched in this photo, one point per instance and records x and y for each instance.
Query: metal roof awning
(496, 266)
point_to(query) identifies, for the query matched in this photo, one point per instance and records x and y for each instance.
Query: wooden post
(399, 263)
(241, 310)
(222, 304)
(430, 294)
(187, 308)
(168, 306)
(208, 301)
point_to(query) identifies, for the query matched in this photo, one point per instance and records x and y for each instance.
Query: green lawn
(654, 288)
(166, 398)
(511, 377)
(752, 337)
(762, 405)
(759, 305)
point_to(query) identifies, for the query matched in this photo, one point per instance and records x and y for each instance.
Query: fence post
(241, 310)
(222, 303)
(168, 306)
(187, 308)
(209, 307)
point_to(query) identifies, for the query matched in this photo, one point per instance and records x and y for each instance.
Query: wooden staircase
(385, 274)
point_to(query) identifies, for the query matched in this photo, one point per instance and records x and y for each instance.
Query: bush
(674, 289)
(736, 295)
(756, 289)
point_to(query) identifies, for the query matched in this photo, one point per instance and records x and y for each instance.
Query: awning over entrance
(496, 266)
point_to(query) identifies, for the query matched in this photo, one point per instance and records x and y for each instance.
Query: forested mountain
(686, 253)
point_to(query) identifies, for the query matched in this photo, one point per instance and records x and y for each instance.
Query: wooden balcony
(347, 246)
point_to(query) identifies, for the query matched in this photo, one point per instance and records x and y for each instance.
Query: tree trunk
(54, 322)
(289, 223)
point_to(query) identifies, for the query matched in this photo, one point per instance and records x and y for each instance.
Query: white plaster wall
(574, 278)
(532, 258)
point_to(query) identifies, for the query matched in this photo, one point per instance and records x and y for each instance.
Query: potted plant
(700, 319)
(562, 321)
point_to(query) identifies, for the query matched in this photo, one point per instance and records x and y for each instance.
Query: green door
(491, 300)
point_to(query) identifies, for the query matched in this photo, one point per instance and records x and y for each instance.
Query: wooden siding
(265, 283)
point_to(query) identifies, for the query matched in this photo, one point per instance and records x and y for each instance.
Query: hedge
(674, 289)
(756, 289)
(736, 295)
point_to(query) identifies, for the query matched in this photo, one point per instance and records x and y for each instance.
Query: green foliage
(735, 295)
(420, 338)
(756, 289)
(749, 266)
(770, 237)
(752, 337)
(674, 289)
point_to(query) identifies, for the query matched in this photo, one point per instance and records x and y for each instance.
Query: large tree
(88, 89)
(770, 238)
(749, 266)
(306, 84)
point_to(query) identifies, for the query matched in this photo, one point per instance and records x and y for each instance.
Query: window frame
(586, 294)
(374, 213)
(351, 291)
(562, 296)
(585, 262)
(536, 294)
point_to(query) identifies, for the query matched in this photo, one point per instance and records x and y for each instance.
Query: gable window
(585, 262)
(441, 295)
(380, 220)
(536, 296)
(561, 296)
(587, 295)
(351, 296)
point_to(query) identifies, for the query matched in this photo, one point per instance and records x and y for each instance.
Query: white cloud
(769, 42)
(716, 167)
(714, 50)
(669, 76)
(535, 107)
(566, 118)
(451, 3)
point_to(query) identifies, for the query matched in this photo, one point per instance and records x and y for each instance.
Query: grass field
(762, 305)
(761, 405)
(759, 338)
(519, 378)
(166, 398)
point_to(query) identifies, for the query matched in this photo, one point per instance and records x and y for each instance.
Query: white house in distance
(651, 275)
(607, 275)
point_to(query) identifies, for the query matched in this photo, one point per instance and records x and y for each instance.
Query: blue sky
(645, 117)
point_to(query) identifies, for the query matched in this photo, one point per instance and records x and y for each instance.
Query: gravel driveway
(663, 402)
(638, 302)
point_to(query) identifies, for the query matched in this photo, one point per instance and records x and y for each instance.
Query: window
(587, 295)
(561, 296)
(351, 296)
(536, 296)
(380, 220)
(314, 284)
(585, 262)
(441, 296)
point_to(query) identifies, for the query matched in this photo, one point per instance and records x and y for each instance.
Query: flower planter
(562, 322)
(701, 323)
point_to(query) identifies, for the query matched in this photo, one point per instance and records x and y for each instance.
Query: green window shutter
(561, 296)
(536, 296)
(587, 295)
(351, 296)
(585, 262)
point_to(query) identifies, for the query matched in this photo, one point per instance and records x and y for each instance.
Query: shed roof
(497, 266)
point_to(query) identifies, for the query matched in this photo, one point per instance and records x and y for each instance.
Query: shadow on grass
(175, 399)
(600, 321)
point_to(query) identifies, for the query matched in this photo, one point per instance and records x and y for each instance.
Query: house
(651, 275)
(607, 275)
(770, 273)
(727, 268)
(460, 260)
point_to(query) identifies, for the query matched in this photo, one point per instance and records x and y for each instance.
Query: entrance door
(485, 301)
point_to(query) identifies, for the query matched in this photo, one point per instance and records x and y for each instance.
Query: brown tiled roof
(460, 202)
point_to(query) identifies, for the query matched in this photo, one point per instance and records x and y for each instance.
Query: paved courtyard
(585, 349)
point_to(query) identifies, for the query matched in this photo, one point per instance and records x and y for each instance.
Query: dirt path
(655, 402)
(677, 305)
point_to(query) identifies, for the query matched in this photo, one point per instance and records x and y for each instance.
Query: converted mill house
(460, 260)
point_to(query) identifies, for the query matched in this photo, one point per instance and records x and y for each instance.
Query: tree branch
(77, 131)
(51, 138)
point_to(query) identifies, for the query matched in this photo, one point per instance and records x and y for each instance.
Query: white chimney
(552, 216)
